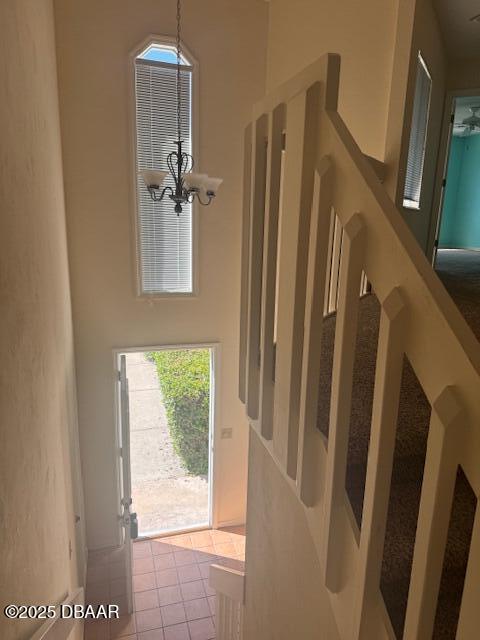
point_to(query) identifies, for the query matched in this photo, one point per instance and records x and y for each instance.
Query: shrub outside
(184, 377)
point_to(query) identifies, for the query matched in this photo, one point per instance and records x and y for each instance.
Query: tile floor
(172, 599)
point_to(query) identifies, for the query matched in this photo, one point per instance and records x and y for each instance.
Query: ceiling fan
(471, 124)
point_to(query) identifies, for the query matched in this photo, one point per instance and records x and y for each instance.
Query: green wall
(460, 226)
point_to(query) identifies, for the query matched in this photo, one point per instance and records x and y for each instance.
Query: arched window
(164, 240)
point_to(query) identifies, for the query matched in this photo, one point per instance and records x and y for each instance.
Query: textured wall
(460, 224)
(37, 398)
(363, 33)
(94, 40)
(285, 594)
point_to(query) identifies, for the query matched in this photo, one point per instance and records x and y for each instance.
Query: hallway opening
(457, 238)
(459, 224)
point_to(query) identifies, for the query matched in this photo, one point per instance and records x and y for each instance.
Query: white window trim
(168, 41)
(407, 204)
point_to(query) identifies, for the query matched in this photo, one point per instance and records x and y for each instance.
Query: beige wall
(285, 593)
(94, 40)
(463, 74)
(398, 94)
(362, 33)
(37, 399)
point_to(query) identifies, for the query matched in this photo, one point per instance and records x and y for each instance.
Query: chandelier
(188, 185)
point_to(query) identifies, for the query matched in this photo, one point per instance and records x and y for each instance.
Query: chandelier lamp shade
(188, 185)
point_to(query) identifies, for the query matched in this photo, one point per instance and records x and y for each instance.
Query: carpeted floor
(461, 275)
(459, 270)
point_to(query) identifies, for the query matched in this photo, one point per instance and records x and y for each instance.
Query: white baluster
(342, 375)
(309, 436)
(388, 377)
(274, 164)
(301, 123)
(245, 276)
(469, 619)
(257, 212)
(438, 486)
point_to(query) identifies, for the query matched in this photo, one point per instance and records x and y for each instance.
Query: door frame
(442, 167)
(215, 354)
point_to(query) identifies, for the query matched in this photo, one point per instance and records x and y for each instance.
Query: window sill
(153, 297)
(411, 205)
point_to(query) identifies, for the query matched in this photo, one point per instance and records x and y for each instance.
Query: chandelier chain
(179, 58)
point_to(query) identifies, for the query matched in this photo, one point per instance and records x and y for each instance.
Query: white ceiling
(461, 35)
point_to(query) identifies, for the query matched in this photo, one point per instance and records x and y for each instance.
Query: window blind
(418, 137)
(165, 239)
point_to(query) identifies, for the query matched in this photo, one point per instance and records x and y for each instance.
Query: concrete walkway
(165, 497)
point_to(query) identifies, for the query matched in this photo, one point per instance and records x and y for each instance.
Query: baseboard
(454, 248)
(240, 522)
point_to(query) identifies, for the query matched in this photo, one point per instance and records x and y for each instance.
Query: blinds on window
(418, 137)
(165, 239)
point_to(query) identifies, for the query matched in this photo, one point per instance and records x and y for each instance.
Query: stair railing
(317, 225)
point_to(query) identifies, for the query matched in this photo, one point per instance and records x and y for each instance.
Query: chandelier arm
(164, 191)
(156, 195)
(204, 204)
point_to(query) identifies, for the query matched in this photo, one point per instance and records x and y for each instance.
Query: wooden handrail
(229, 582)
(379, 167)
(229, 585)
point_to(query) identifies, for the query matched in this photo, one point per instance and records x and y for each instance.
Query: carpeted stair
(410, 449)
